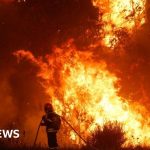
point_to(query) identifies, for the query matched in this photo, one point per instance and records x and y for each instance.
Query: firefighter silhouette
(52, 122)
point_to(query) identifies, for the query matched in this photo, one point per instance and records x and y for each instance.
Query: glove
(44, 118)
(43, 121)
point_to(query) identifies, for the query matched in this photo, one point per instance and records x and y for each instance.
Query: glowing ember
(85, 93)
(118, 15)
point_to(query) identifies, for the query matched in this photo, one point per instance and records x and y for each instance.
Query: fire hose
(37, 134)
(70, 127)
(74, 130)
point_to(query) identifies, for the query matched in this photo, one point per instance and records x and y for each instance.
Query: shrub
(110, 137)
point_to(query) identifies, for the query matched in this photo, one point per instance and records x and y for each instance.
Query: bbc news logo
(8, 134)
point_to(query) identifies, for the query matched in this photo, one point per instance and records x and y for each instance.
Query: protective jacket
(52, 122)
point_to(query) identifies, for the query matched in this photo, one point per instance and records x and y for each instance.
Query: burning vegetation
(82, 86)
(118, 17)
(84, 92)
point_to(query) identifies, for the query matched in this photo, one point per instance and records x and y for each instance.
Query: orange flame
(83, 90)
(119, 15)
(85, 93)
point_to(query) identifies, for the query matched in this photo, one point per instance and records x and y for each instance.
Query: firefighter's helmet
(48, 107)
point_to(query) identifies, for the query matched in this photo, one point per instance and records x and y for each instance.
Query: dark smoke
(37, 25)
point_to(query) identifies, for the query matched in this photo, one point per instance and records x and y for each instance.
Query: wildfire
(117, 16)
(84, 92)
(82, 89)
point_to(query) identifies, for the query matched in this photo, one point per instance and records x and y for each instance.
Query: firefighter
(52, 122)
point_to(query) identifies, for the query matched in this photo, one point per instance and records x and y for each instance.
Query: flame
(81, 87)
(84, 92)
(119, 15)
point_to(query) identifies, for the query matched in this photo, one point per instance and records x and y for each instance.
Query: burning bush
(111, 136)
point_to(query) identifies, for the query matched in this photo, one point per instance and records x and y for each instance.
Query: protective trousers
(52, 140)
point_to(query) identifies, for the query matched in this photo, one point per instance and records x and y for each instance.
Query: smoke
(134, 66)
(22, 27)
(37, 26)
(5, 0)
(8, 108)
